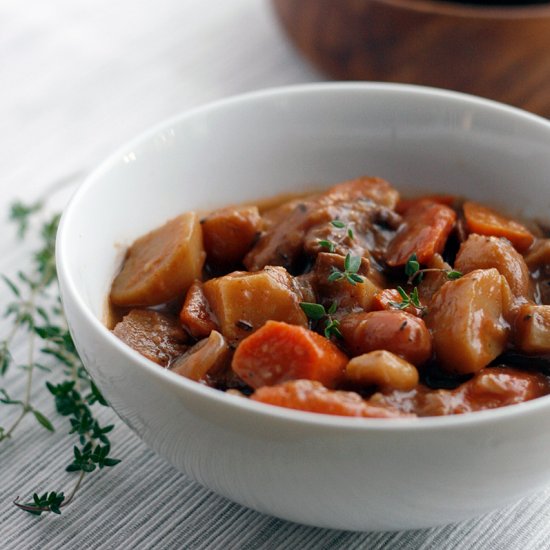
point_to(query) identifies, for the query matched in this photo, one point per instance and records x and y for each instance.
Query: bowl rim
(70, 292)
(454, 8)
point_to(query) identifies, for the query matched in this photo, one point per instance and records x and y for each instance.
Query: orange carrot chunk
(307, 395)
(278, 352)
(404, 204)
(424, 232)
(486, 221)
(386, 299)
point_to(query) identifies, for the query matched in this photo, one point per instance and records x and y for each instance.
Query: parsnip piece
(161, 265)
(383, 369)
(482, 252)
(466, 321)
(243, 301)
(207, 356)
(532, 329)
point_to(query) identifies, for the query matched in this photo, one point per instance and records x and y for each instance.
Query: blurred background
(80, 77)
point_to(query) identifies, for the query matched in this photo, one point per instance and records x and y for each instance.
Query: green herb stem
(45, 323)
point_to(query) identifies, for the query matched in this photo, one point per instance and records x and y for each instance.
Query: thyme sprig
(316, 312)
(21, 213)
(25, 312)
(351, 267)
(36, 309)
(413, 271)
(329, 245)
(339, 224)
(408, 300)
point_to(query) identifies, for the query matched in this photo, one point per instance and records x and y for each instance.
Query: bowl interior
(295, 139)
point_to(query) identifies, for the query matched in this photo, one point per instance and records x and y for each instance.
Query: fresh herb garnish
(36, 310)
(414, 272)
(412, 267)
(351, 267)
(327, 244)
(339, 224)
(21, 213)
(313, 311)
(316, 312)
(332, 328)
(411, 299)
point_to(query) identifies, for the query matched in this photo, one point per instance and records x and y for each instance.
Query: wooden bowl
(502, 53)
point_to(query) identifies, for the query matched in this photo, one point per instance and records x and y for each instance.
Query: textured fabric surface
(77, 80)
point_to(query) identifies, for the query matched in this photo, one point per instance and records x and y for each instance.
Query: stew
(352, 301)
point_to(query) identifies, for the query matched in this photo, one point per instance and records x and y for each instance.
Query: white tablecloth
(77, 79)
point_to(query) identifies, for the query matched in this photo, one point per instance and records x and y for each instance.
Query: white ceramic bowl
(338, 472)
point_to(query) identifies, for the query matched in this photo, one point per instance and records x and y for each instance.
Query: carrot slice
(404, 204)
(307, 395)
(424, 232)
(382, 300)
(386, 299)
(486, 221)
(278, 352)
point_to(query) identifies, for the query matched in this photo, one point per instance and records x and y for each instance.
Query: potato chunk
(229, 233)
(383, 369)
(466, 321)
(208, 356)
(481, 252)
(157, 336)
(532, 329)
(161, 265)
(243, 301)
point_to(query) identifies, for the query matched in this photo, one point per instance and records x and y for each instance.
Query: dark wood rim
(465, 10)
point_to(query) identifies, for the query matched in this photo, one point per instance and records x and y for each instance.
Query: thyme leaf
(352, 265)
(327, 244)
(316, 312)
(414, 272)
(408, 300)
